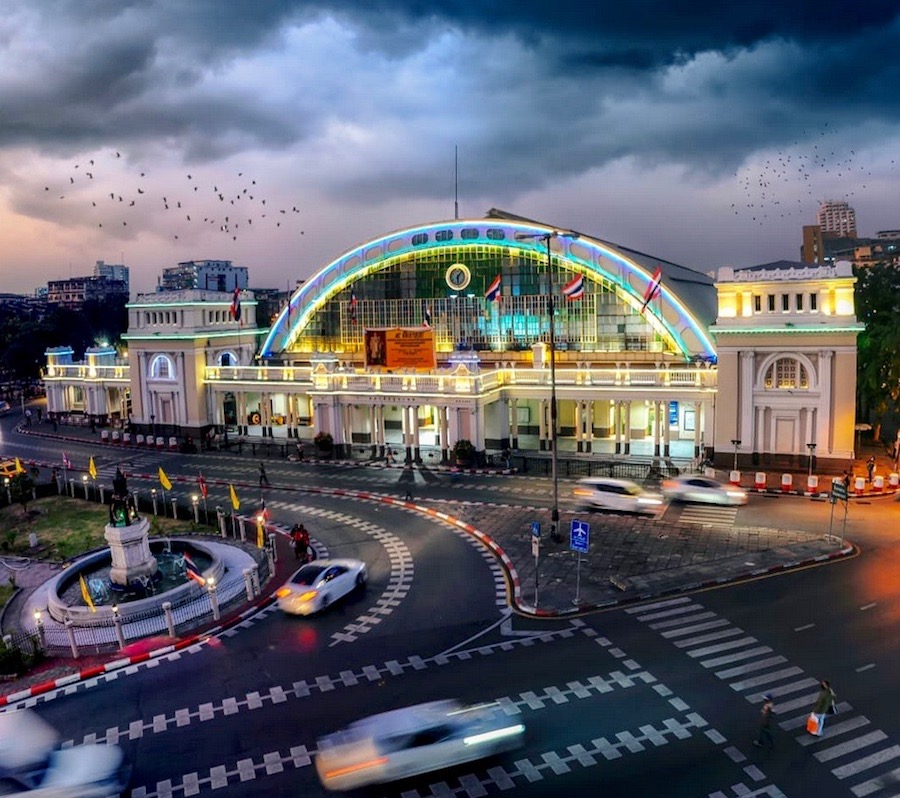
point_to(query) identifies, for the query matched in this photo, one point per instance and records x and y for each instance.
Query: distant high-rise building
(204, 275)
(836, 216)
(75, 291)
(112, 271)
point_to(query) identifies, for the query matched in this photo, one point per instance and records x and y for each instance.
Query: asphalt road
(653, 699)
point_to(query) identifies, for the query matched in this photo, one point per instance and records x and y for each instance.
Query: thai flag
(353, 304)
(235, 309)
(192, 571)
(574, 289)
(652, 288)
(493, 292)
(67, 463)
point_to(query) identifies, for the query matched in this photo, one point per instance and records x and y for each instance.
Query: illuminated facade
(635, 360)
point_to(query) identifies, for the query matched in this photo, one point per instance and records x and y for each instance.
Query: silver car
(33, 764)
(695, 488)
(616, 494)
(413, 740)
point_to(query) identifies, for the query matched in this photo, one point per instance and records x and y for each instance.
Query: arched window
(162, 368)
(786, 374)
(228, 359)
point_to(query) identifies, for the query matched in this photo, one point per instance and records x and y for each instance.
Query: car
(8, 469)
(319, 583)
(617, 494)
(5, 408)
(418, 739)
(33, 763)
(695, 488)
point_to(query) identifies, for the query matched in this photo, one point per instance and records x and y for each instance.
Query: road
(652, 699)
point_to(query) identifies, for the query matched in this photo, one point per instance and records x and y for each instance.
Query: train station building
(468, 329)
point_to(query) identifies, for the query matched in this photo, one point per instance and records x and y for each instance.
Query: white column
(589, 425)
(745, 399)
(514, 423)
(698, 426)
(759, 433)
(823, 440)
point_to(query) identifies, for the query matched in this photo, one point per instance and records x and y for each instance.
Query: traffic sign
(580, 536)
(536, 529)
(535, 545)
(839, 490)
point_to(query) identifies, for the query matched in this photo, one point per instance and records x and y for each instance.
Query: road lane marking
(804, 628)
(869, 606)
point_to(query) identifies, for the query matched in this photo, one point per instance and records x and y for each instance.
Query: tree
(878, 346)
(21, 487)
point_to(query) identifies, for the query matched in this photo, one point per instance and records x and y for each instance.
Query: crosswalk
(862, 758)
(708, 515)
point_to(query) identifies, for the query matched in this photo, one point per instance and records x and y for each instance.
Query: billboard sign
(400, 348)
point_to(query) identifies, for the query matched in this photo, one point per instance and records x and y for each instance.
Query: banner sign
(401, 348)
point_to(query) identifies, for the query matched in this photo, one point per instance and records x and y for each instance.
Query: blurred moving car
(4, 407)
(8, 469)
(695, 488)
(418, 739)
(617, 494)
(32, 763)
(319, 583)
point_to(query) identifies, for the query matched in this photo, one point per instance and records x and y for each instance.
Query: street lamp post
(735, 442)
(551, 312)
(812, 453)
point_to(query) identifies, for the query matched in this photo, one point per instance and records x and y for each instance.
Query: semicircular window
(786, 374)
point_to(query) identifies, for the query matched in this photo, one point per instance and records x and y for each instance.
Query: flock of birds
(793, 183)
(230, 211)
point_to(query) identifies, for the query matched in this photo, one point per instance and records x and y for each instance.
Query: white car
(694, 488)
(32, 763)
(417, 739)
(320, 583)
(617, 494)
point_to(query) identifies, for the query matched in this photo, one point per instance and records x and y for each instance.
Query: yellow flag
(92, 469)
(85, 594)
(20, 469)
(235, 501)
(164, 480)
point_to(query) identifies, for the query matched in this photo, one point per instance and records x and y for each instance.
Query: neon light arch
(597, 260)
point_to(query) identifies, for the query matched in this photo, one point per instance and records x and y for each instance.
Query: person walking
(870, 467)
(764, 739)
(263, 477)
(824, 704)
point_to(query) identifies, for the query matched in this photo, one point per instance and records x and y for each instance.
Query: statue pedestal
(130, 549)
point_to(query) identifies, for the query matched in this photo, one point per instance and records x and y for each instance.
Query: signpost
(535, 550)
(580, 541)
(840, 491)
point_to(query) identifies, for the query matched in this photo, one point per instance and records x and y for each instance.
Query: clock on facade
(458, 276)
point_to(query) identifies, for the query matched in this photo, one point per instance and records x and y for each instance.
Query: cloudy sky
(280, 133)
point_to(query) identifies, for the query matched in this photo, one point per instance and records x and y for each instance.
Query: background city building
(204, 275)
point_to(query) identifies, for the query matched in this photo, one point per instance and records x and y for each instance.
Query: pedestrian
(764, 738)
(28, 417)
(300, 539)
(870, 466)
(824, 705)
(40, 412)
(263, 478)
(848, 477)
(299, 450)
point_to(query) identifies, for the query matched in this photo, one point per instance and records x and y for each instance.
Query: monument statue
(122, 510)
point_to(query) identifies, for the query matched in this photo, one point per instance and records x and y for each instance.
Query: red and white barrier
(104, 436)
(812, 484)
(878, 484)
(173, 444)
(760, 481)
(894, 479)
(139, 439)
(787, 483)
(859, 486)
(116, 436)
(735, 477)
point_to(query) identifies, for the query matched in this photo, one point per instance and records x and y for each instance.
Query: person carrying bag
(824, 706)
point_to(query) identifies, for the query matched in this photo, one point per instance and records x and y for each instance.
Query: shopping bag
(812, 723)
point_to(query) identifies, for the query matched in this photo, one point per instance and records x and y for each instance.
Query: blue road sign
(536, 529)
(580, 536)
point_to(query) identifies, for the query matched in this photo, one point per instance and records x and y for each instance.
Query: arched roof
(683, 309)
